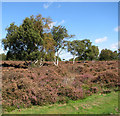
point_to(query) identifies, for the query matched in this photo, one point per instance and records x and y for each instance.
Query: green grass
(95, 104)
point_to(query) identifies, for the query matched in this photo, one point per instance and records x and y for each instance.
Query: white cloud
(60, 23)
(100, 40)
(52, 24)
(117, 29)
(46, 5)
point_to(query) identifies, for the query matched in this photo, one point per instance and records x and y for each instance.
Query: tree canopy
(35, 39)
(107, 54)
(83, 49)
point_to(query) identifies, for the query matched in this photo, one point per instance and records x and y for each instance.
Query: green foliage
(83, 49)
(59, 34)
(93, 55)
(2, 56)
(75, 47)
(29, 40)
(90, 51)
(35, 39)
(107, 54)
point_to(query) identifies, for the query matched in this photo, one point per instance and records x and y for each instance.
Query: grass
(95, 104)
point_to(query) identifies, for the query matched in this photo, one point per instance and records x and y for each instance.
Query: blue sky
(97, 21)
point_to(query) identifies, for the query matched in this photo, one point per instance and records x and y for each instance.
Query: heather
(24, 87)
(95, 104)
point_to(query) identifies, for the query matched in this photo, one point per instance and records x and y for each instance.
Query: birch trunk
(55, 61)
(73, 59)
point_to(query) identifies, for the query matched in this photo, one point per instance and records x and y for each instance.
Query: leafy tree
(34, 39)
(9, 42)
(26, 42)
(107, 54)
(114, 55)
(87, 49)
(75, 47)
(49, 44)
(90, 51)
(83, 49)
(93, 55)
(59, 35)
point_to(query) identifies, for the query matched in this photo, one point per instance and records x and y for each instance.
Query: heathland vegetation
(25, 87)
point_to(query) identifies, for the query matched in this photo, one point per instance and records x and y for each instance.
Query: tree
(83, 49)
(27, 42)
(49, 44)
(107, 54)
(93, 55)
(9, 42)
(75, 47)
(59, 35)
(114, 55)
(87, 49)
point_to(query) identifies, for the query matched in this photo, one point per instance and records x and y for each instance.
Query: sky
(97, 21)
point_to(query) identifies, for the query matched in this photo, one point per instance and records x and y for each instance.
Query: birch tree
(59, 35)
(76, 48)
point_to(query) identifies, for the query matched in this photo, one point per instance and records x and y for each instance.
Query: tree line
(36, 39)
